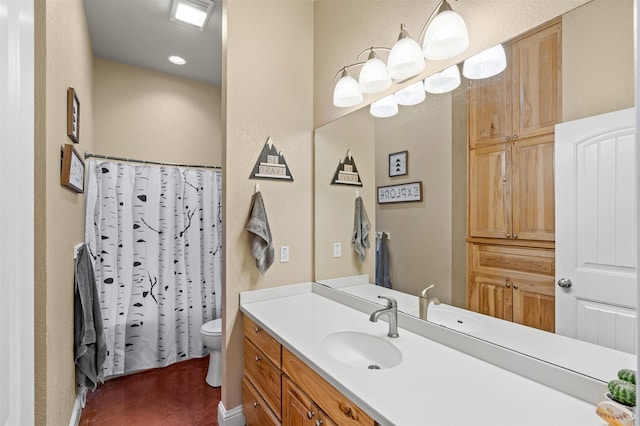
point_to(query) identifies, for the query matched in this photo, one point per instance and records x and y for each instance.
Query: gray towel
(383, 263)
(260, 234)
(361, 228)
(90, 347)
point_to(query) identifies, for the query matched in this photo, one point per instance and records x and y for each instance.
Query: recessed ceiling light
(177, 60)
(192, 13)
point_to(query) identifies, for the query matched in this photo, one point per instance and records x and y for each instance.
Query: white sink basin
(362, 350)
(454, 319)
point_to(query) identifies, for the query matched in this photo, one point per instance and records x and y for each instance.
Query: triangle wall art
(271, 164)
(347, 172)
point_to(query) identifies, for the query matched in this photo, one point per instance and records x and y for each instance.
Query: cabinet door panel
(489, 192)
(491, 296)
(533, 189)
(534, 304)
(489, 109)
(297, 408)
(536, 82)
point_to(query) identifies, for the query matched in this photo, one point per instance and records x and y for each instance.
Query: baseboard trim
(77, 411)
(233, 417)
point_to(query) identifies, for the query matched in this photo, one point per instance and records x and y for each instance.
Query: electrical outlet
(284, 254)
(337, 250)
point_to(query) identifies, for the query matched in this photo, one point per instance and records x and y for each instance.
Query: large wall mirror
(428, 241)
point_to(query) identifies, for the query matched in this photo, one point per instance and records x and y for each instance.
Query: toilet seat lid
(213, 326)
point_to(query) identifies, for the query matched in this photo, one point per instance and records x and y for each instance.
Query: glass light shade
(444, 81)
(411, 95)
(446, 37)
(347, 92)
(385, 107)
(405, 59)
(374, 76)
(485, 64)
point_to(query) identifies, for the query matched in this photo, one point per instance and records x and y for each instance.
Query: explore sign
(405, 193)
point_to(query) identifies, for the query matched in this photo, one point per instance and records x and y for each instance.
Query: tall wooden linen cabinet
(511, 221)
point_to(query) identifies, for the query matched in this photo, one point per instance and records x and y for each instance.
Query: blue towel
(90, 347)
(383, 263)
(361, 228)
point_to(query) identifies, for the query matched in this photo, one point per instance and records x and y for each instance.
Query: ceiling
(139, 33)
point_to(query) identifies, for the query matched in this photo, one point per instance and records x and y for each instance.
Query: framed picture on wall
(398, 163)
(72, 173)
(73, 115)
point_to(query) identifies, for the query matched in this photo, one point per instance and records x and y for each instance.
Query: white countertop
(434, 385)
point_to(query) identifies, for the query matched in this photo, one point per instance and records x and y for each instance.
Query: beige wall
(150, 115)
(344, 28)
(63, 59)
(335, 204)
(268, 69)
(597, 69)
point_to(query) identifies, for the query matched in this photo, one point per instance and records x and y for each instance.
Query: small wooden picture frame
(72, 173)
(73, 115)
(399, 163)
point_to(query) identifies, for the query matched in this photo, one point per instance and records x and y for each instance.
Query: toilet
(211, 332)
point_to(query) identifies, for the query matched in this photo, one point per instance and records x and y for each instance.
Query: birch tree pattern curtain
(155, 235)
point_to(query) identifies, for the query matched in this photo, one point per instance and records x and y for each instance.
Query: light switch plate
(337, 250)
(284, 254)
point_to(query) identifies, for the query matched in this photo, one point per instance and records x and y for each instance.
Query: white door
(595, 183)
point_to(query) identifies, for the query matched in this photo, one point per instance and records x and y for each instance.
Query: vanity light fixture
(347, 91)
(191, 13)
(406, 58)
(178, 60)
(485, 64)
(374, 76)
(385, 107)
(444, 81)
(411, 95)
(446, 36)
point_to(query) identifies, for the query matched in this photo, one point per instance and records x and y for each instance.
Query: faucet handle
(391, 302)
(425, 293)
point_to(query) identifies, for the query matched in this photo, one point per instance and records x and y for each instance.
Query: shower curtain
(154, 235)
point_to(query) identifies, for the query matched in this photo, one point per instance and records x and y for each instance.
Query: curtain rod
(88, 155)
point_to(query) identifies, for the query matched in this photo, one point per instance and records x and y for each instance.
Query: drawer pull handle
(310, 414)
(258, 358)
(319, 422)
(255, 404)
(257, 329)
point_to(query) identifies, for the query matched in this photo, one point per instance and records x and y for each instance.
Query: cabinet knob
(310, 414)
(257, 329)
(258, 358)
(508, 235)
(515, 136)
(508, 138)
(515, 235)
(508, 284)
(515, 287)
(319, 422)
(255, 404)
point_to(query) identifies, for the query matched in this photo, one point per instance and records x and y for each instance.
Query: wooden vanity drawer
(335, 404)
(263, 340)
(255, 409)
(265, 376)
(489, 259)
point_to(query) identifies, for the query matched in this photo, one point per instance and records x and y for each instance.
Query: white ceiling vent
(191, 13)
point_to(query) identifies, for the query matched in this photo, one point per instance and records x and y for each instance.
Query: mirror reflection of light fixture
(374, 76)
(385, 107)
(411, 95)
(446, 34)
(485, 64)
(406, 58)
(347, 91)
(444, 81)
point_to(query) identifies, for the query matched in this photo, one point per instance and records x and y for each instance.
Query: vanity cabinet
(280, 389)
(523, 100)
(513, 283)
(511, 190)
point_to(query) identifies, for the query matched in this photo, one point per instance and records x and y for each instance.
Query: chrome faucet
(392, 311)
(426, 301)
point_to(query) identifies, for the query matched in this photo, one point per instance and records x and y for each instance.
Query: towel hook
(357, 193)
(257, 188)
